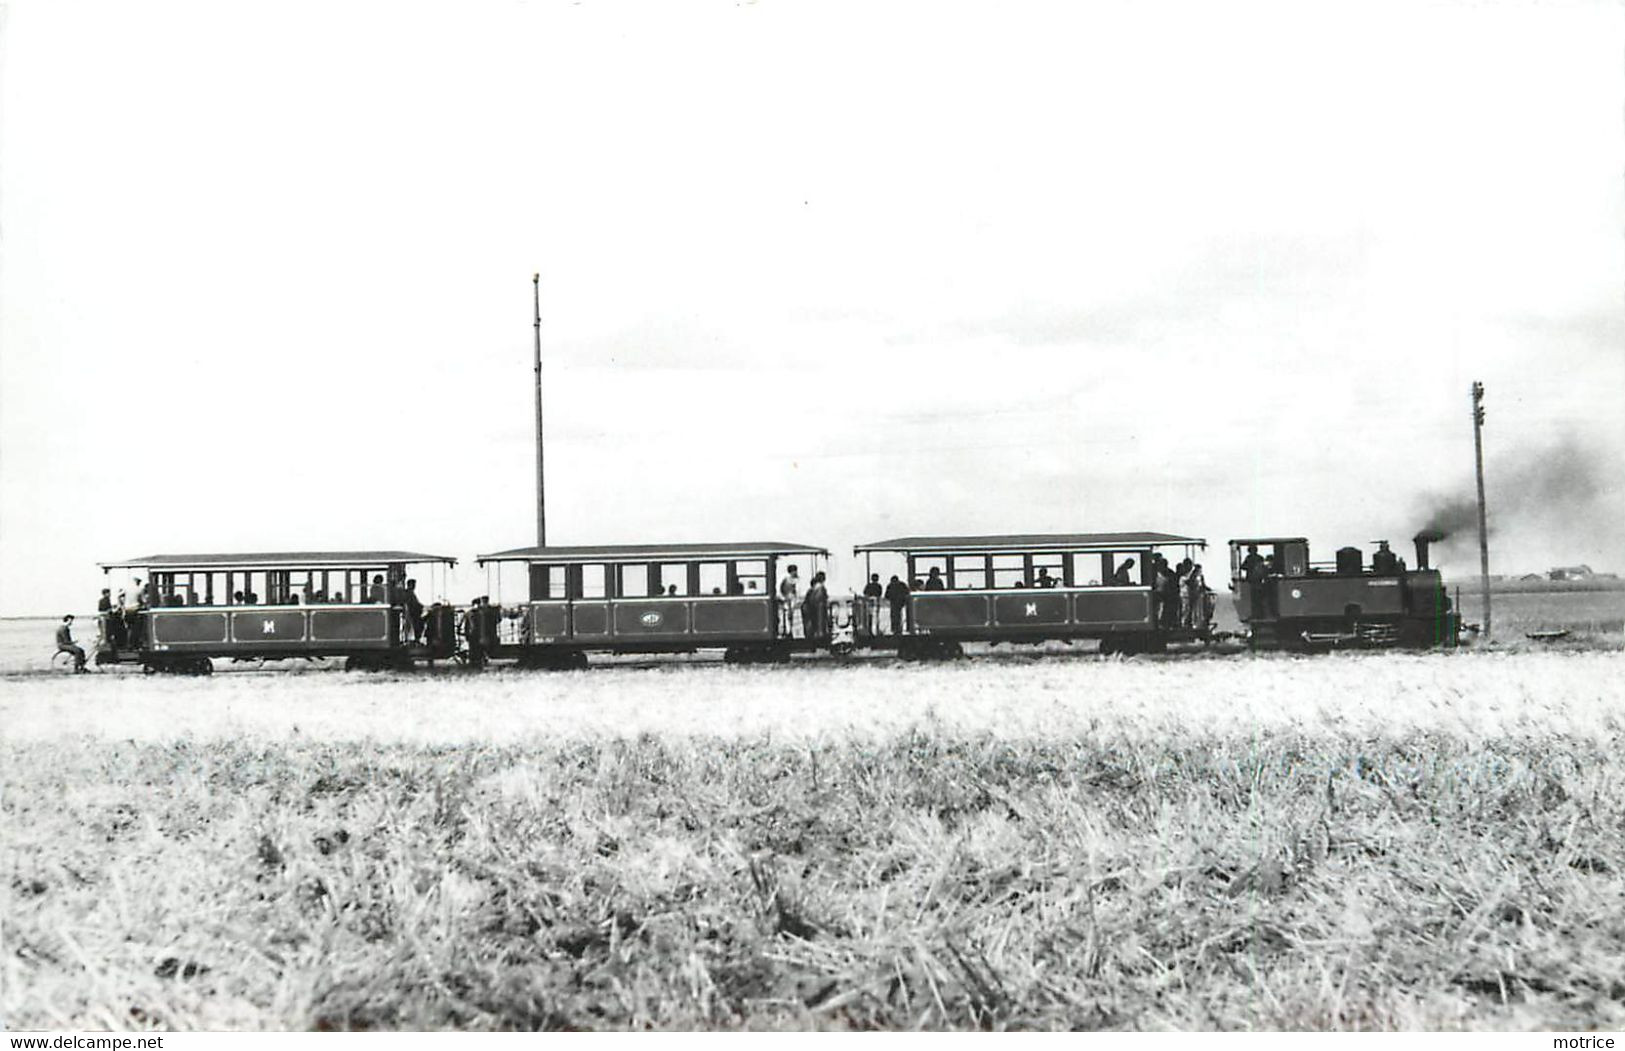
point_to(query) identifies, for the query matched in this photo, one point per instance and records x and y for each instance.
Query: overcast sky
(810, 272)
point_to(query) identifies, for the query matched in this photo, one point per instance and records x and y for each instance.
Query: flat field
(1550, 610)
(1372, 841)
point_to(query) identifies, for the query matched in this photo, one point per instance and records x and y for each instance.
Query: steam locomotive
(1292, 601)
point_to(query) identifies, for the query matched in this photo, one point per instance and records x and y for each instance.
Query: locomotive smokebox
(1423, 540)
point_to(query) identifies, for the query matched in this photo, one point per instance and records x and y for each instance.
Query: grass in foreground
(934, 879)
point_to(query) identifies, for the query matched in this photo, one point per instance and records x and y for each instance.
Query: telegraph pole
(541, 500)
(1483, 526)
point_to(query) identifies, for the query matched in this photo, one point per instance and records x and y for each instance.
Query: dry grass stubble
(1245, 874)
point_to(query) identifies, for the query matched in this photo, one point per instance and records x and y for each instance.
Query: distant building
(1571, 573)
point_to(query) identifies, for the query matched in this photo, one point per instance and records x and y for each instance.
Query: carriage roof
(1028, 542)
(652, 552)
(279, 560)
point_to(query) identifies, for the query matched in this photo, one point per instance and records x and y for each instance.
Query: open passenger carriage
(190, 609)
(656, 598)
(1028, 588)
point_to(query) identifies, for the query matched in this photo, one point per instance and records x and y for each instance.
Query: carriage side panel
(1031, 609)
(1112, 609)
(351, 625)
(751, 617)
(651, 619)
(945, 612)
(185, 629)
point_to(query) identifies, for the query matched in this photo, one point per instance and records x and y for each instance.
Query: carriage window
(1107, 569)
(592, 580)
(714, 578)
(1009, 571)
(970, 571)
(750, 577)
(546, 582)
(923, 567)
(674, 574)
(302, 586)
(632, 580)
(1054, 565)
(180, 589)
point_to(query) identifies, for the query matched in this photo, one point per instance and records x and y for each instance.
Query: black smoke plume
(1560, 489)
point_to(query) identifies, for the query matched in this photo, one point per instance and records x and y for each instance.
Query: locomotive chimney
(1423, 539)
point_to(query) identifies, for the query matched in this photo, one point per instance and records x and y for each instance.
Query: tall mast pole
(1483, 522)
(541, 499)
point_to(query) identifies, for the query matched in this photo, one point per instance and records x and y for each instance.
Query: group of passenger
(121, 618)
(895, 594)
(814, 606)
(1180, 594)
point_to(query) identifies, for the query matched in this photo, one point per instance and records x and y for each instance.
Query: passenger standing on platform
(789, 589)
(490, 620)
(473, 636)
(1183, 599)
(815, 608)
(872, 593)
(414, 609)
(135, 605)
(112, 619)
(934, 581)
(1196, 598)
(65, 643)
(1164, 588)
(431, 627)
(896, 597)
